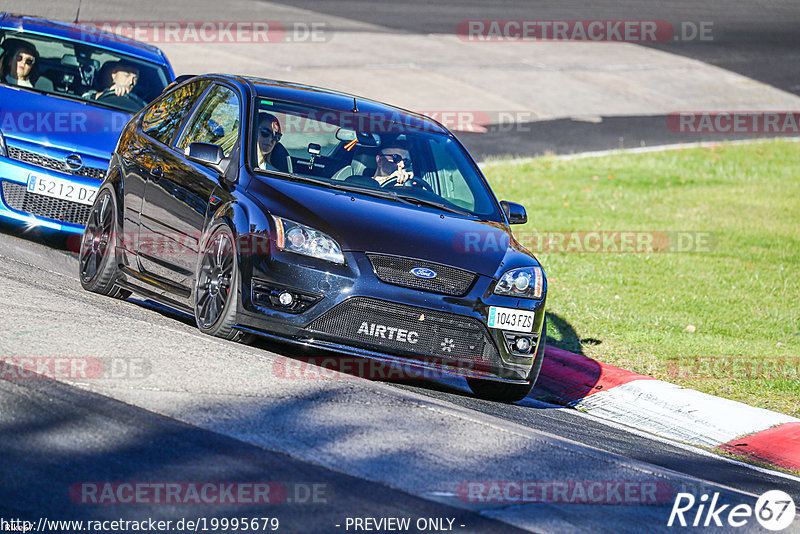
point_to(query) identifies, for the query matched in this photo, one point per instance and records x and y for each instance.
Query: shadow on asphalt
(71, 454)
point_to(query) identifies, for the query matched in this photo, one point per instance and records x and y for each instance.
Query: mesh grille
(53, 164)
(396, 270)
(389, 326)
(17, 197)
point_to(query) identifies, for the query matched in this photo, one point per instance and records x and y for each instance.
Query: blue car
(311, 216)
(66, 92)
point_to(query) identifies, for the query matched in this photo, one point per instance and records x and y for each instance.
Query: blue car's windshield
(390, 154)
(79, 71)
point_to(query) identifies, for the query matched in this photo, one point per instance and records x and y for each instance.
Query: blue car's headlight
(525, 282)
(301, 239)
(3, 151)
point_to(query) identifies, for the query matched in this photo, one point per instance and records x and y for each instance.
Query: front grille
(17, 197)
(388, 326)
(396, 270)
(46, 162)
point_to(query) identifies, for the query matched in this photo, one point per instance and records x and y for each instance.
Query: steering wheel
(106, 94)
(411, 182)
(128, 102)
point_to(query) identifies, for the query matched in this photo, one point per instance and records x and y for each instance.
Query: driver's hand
(121, 90)
(401, 174)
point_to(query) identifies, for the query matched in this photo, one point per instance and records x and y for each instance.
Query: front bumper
(352, 311)
(35, 210)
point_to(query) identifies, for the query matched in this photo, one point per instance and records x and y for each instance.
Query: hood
(60, 123)
(363, 223)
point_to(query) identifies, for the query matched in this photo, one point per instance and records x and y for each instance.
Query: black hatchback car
(321, 218)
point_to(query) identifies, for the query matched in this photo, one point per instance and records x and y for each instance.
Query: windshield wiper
(432, 203)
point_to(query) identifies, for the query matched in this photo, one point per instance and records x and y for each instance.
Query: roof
(82, 34)
(341, 102)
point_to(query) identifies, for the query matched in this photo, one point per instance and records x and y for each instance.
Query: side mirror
(208, 155)
(515, 212)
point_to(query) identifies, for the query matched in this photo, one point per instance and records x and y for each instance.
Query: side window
(165, 116)
(215, 121)
(452, 184)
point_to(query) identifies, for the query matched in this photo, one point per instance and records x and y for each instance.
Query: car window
(80, 71)
(164, 117)
(450, 181)
(391, 153)
(215, 121)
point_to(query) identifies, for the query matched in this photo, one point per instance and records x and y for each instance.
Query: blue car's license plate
(61, 189)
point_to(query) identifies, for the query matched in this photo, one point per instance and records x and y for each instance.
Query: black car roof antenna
(78, 13)
(355, 106)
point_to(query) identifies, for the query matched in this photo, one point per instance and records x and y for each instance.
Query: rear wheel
(503, 392)
(216, 295)
(97, 260)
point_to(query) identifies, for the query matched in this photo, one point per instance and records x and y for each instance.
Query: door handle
(157, 173)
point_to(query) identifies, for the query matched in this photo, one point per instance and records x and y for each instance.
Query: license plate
(61, 189)
(511, 319)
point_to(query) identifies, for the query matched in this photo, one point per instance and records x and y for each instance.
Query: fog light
(286, 299)
(522, 344)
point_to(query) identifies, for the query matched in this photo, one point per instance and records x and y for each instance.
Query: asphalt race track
(175, 406)
(202, 409)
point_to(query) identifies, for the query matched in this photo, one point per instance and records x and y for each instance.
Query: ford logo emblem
(423, 272)
(74, 162)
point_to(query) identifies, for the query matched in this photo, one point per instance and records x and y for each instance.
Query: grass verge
(703, 292)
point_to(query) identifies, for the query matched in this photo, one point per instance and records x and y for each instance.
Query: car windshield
(391, 155)
(79, 71)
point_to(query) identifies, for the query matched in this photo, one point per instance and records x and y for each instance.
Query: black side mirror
(209, 155)
(515, 212)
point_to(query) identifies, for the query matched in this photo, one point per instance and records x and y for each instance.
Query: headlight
(302, 239)
(525, 282)
(3, 151)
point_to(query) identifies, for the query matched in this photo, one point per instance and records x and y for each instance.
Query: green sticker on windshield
(267, 102)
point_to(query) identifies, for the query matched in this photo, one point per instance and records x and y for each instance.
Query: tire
(97, 258)
(503, 392)
(216, 291)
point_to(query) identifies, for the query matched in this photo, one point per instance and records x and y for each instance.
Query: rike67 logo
(774, 510)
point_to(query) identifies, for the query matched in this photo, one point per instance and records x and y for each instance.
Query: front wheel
(216, 295)
(97, 265)
(503, 392)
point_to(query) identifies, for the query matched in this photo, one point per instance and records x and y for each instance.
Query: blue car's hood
(60, 123)
(369, 224)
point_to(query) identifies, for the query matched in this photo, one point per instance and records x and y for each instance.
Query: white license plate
(57, 188)
(511, 319)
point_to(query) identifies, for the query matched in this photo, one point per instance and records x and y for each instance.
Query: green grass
(742, 295)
